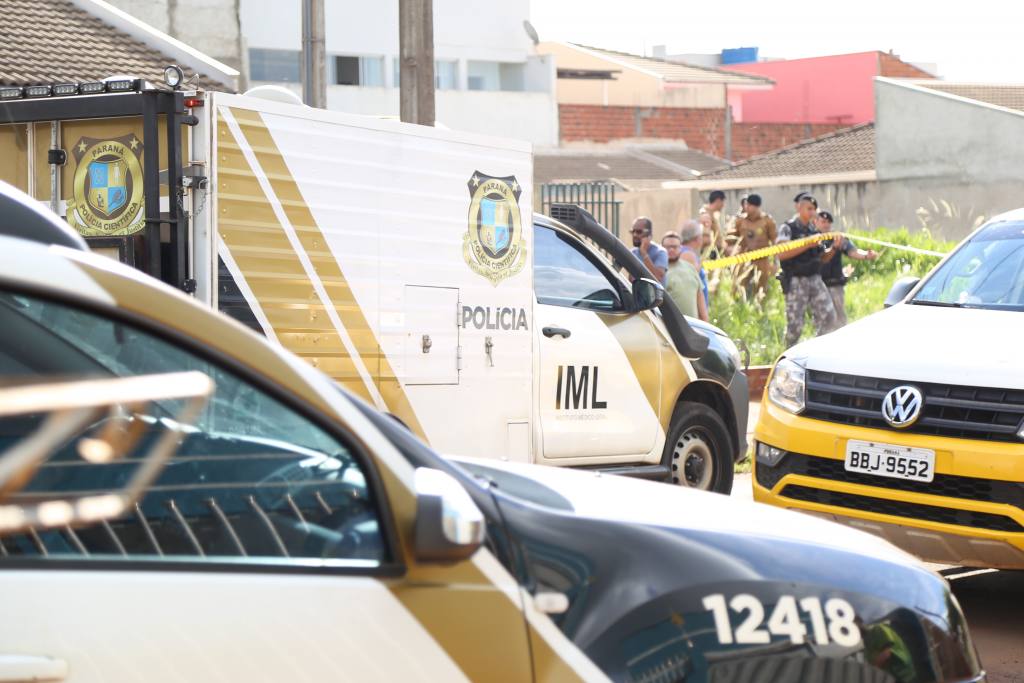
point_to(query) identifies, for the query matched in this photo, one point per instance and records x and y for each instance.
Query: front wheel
(697, 450)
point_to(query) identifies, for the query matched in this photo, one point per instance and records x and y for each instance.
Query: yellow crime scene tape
(757, 254)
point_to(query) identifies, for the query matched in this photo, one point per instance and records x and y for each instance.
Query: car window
(252, 478)
(986, 272)
(565, 276)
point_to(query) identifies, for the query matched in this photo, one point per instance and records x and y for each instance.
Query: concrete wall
(667, 209)
(926, 134)
(210, 26)
(630, 87)
(949, 209)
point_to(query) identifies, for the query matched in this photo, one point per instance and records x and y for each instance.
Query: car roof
(23, 217)
(1013, 215)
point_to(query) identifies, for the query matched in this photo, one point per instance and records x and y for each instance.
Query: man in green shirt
(682, 280)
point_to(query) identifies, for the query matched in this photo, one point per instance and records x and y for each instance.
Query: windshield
(985, 272)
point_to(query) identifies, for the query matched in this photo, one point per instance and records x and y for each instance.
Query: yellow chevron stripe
(250, 230)
(286, 189)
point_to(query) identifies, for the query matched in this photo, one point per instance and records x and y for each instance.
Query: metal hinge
(458, 357)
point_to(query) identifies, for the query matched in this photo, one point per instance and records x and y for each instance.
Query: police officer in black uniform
(801, 274)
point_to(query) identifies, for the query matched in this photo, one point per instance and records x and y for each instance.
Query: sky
(980, 40)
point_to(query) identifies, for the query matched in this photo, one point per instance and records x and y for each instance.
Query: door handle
(559, 331)
(25, 668)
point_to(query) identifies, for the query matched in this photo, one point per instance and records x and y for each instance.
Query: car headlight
(787, 389)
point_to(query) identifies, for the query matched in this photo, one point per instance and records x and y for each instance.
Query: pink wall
(812, 90)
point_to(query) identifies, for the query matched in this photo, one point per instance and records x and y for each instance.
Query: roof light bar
(120, 85)
(92, 87)
(38, 91)
(10, 93)
(65, 89)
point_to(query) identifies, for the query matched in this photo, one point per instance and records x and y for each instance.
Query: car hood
(924, 344)
(633, 501)
(639, 562)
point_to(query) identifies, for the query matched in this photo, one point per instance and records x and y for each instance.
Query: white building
(489, 78)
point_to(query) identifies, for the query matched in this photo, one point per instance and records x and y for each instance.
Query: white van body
(400, 260)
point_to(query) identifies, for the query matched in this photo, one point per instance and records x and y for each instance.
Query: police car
(300, 534)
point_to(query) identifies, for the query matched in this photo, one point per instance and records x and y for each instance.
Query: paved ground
(992, 600)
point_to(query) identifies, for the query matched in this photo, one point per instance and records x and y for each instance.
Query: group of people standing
(676, 263)
(812, 275)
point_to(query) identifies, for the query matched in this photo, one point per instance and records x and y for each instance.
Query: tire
(698, 450)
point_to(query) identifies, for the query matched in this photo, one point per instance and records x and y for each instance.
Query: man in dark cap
(714, 209)
(832, 271)
(753, 230)
(801, 275)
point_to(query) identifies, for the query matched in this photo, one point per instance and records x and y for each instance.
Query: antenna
(531, 31)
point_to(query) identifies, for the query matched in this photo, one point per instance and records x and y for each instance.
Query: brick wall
(751, 139)
(577, 122)
(701, 129)
(892, 66)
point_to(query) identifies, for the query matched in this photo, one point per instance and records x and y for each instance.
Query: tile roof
(690, 158)
(1002, 95)
(620, 163)
(845, 151)
(53, 41)
(678, 72)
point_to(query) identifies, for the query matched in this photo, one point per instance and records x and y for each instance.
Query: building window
(484, 76)
(512, 77)
(280, 66)
(509, 76)
(364, 71)
(446, 75)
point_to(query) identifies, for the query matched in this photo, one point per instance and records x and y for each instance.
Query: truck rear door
(110, 165)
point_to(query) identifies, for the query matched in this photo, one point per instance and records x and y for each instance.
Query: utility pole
(314, 54)
(416, 57)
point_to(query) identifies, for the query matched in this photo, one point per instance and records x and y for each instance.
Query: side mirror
(647, 294)
(900, 289)
(449, 525)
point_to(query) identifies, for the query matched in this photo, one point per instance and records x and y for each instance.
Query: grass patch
(761, 323)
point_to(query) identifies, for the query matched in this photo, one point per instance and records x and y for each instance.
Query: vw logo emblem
(902, 406)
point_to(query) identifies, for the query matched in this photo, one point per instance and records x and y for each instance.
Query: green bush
(761, 323)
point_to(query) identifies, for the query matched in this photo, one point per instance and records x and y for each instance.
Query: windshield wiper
(944, 304)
